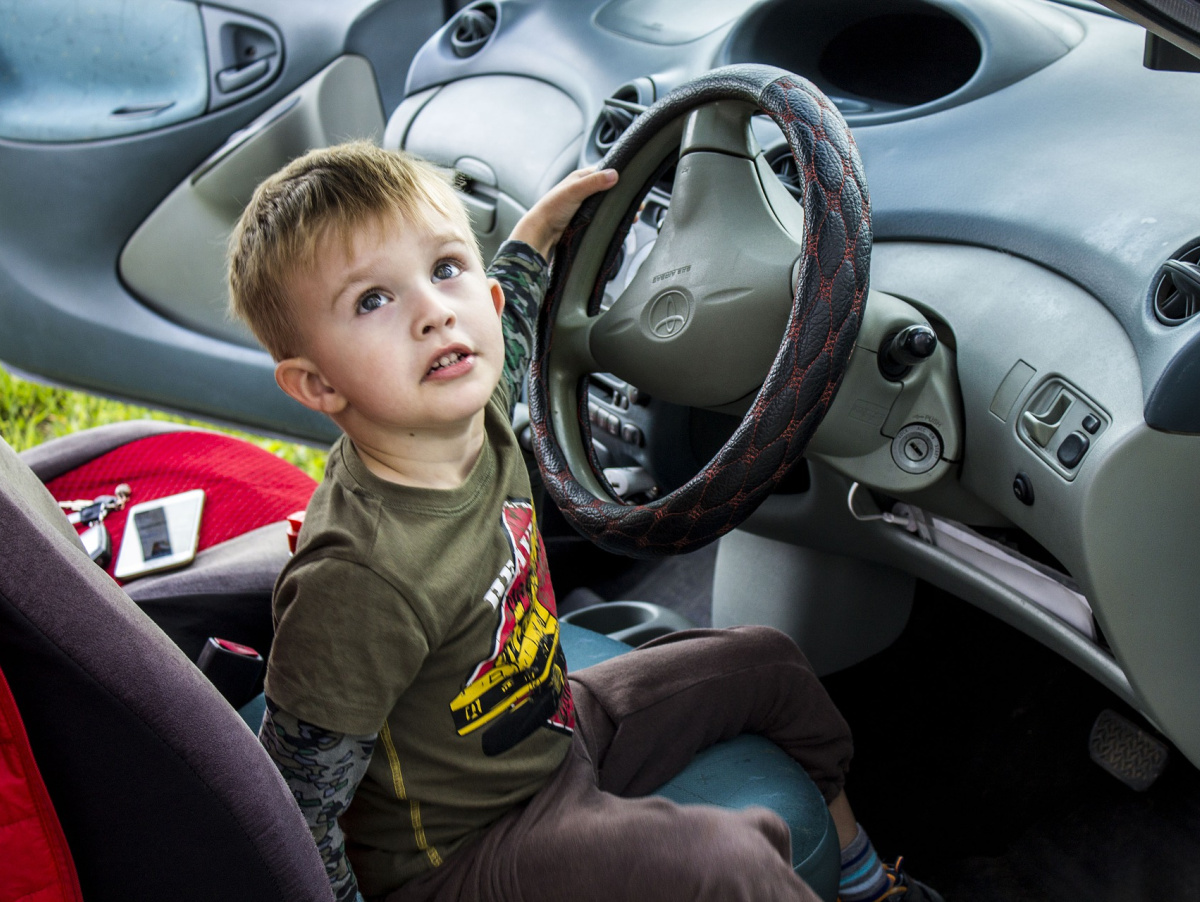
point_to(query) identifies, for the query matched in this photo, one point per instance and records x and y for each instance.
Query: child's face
(401, 329)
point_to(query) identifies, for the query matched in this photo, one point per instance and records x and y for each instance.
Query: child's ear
(497, 296)
(300, 378)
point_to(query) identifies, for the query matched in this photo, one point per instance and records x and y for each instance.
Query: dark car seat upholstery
(162, 791)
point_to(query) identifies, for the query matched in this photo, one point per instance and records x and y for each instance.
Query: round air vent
(619, 111)
(472, 29)
(610, 125)
(1177, 294)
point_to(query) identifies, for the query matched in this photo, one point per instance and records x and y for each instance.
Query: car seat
(161, 790)
(745, 771)
(226, 590)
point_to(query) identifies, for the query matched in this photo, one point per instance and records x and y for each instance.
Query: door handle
(237, 77)
(142, 110)
(244, 54)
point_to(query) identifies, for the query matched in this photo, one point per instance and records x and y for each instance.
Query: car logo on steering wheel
(669, 314)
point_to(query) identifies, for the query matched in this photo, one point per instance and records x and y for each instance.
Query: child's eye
(447, 269)
(372, 300)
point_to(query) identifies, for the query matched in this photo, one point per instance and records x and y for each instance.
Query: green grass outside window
(31, 413)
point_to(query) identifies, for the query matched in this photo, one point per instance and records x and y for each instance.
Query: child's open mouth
(450, 364)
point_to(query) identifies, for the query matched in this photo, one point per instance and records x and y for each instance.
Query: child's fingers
(583, 183)
(543, 225)
(602, 178)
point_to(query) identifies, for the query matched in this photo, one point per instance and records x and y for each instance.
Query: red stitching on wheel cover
(801, 383)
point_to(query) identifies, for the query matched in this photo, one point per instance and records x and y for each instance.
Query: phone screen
(152, 530)
(160, 534)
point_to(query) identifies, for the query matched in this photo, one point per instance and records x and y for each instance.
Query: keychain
(91, 513)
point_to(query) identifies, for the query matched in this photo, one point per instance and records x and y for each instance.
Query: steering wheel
(699, 323)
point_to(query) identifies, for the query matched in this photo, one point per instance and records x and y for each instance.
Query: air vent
(610, 125)
(1177, 294)
(619, 111)
(783, 164)
(472, 29)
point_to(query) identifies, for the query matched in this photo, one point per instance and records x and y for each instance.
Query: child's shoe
(906, 888)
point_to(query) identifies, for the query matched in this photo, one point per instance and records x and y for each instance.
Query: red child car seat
(250, 492)
(37, 859)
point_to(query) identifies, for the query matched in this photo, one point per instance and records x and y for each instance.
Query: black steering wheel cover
(801, 383)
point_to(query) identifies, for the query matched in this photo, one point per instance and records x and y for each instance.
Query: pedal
(1126, 751)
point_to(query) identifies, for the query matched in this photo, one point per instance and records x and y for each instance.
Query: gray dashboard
(1024, 208)
(1059, 98)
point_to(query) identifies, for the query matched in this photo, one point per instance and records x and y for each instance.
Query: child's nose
(435, 314)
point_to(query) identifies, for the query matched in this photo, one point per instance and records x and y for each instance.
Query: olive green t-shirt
(426, 615)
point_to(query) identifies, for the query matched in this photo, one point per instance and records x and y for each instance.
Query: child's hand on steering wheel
(543, 225)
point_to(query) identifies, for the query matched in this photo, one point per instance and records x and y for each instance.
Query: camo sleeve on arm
(323, 769)
(521, 272)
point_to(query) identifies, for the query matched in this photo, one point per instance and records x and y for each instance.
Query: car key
(97, 543)
(93, 511)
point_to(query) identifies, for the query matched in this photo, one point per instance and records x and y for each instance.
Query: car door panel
(175, 261)
(71, 207)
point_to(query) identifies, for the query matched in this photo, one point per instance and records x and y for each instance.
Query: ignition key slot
(916, 448)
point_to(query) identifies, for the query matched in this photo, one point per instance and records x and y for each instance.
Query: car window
(76, 71)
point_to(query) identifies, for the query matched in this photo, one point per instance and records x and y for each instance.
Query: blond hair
(329, 192)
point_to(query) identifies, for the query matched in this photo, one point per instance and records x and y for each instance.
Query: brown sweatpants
(588, 834)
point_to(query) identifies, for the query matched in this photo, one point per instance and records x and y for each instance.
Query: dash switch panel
(1061, 424)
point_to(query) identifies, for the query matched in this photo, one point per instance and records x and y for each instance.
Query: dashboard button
(1090, 424)
(1023, 488)
(631, 434)
(1072, 449)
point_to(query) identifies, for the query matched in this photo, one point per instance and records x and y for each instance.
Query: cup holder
(631, 622)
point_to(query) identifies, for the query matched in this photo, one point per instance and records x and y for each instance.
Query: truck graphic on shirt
(522, 685)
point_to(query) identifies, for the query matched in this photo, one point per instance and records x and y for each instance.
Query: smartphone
(160, 534)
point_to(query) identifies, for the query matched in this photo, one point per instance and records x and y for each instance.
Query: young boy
(417, 694)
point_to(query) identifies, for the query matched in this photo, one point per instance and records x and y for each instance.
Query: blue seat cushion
(252, 712)
(742, 772)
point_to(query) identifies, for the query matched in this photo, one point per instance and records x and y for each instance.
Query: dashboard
(1033, 207)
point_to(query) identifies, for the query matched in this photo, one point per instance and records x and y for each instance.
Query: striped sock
(863, 878)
